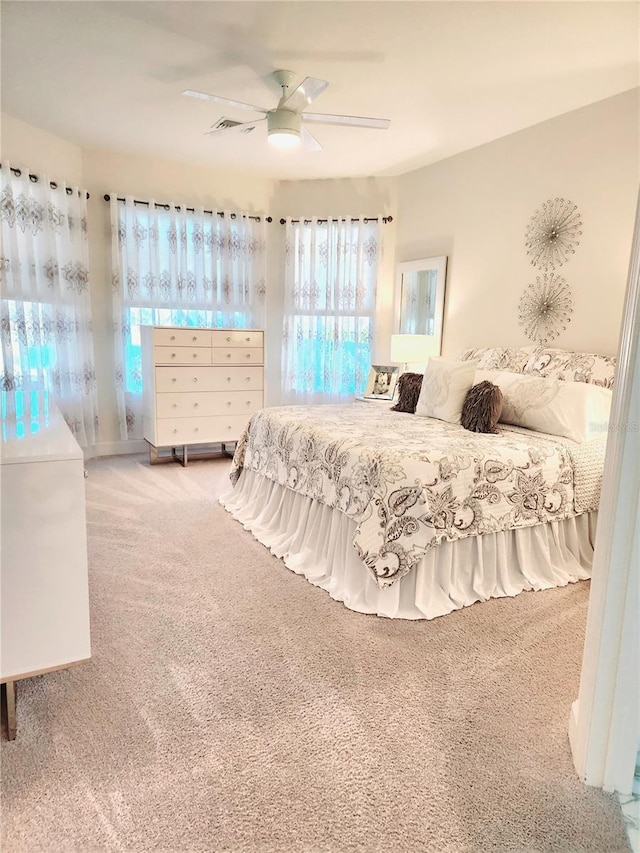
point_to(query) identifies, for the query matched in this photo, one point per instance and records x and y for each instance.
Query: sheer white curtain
(47, 337)
(331, 275)
(173, 267)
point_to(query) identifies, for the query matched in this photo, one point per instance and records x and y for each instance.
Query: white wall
(474, 207)
(27, 146)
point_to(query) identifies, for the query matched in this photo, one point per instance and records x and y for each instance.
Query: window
(330, 299)
(31, 347)
(47, 340)
(137, 317)
(178, 268)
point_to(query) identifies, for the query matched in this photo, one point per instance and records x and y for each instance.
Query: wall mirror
(420, 298)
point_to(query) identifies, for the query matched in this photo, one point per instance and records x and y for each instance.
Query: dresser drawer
(237, 338)
(182, 337)
(236, 355)
(176, 431)
(219, 378)
(188, 405)
(241, 378)
(182, 355)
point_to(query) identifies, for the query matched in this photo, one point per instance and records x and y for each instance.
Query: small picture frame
(381, 384)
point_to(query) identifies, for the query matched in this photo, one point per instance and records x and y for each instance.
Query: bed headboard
(547, 361)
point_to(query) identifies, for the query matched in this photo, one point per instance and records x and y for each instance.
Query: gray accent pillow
(409, 386)
(482, 408)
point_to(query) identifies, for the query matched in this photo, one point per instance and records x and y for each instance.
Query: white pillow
(444, 388)
(574, 410)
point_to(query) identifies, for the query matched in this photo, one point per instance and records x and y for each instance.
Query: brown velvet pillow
(482, 408)
(409, 386)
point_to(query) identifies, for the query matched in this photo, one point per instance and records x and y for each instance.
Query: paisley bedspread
(410, 483)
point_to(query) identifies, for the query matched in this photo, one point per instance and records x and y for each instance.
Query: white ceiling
(449, 75)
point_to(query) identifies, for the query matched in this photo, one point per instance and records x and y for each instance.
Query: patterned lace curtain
(47, 337)
(172, 267)
(331, 277)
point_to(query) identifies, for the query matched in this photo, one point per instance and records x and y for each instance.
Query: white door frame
(604, 729)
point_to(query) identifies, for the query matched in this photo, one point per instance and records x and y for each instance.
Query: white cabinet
(45, 599)
(201, 386)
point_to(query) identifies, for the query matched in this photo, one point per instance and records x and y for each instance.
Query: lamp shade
(413, 348)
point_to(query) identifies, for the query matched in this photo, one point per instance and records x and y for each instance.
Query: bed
(410, 517)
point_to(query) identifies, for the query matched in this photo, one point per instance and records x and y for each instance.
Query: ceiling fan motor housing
(284, 121)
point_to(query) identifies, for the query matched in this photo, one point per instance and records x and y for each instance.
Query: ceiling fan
(286, 124)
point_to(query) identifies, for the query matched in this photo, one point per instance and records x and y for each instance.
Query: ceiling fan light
(284, 138)
(284, 128)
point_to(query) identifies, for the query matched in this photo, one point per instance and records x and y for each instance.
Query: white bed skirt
(315, 540)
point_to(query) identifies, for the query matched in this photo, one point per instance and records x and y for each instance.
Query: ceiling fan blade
(244, 127)
(205, 96)
(309, 142)
(306, 92)
(354, 121)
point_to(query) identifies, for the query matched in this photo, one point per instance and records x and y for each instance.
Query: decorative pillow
(444, 388)
(573, 366)
(547, 404)
(500, 358)
(482, 408)
(409, 386)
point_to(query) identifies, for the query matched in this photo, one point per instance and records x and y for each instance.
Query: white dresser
(201, 386)
(45, 597)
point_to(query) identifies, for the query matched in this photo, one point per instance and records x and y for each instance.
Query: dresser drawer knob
(248, 402)
(173, 337)
(228, 355)
(228, 402)
(173, 379)
(229, 427)
(194, 338)
(196, 429)
(248, 355)
(173, 355)
(247, 339)
(248, 379)
(229, 338)
(228, 379)
(175, 430)
(195, 405)
(195, 355)
(174, 405)
(195, 378)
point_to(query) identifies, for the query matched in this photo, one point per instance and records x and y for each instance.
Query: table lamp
(413, 348)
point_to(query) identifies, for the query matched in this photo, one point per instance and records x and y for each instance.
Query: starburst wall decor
(545, 308)
(553, 233)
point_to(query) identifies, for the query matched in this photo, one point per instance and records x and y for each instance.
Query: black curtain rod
(107, 197)
(34, 180)
(365, 219)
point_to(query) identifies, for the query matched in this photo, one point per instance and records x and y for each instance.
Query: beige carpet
(232, 706)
